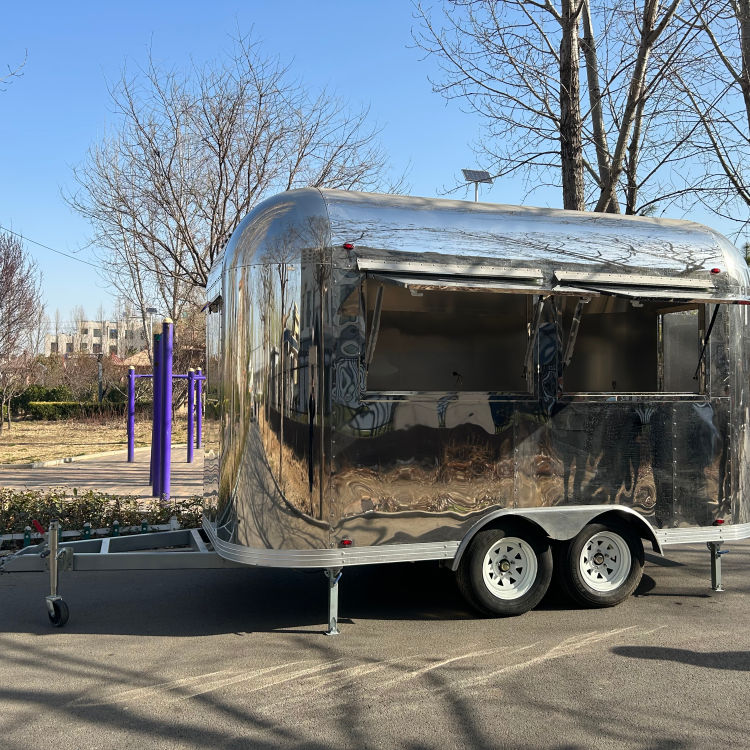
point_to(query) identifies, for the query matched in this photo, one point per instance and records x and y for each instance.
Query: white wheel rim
(509, 568)
(605, 561)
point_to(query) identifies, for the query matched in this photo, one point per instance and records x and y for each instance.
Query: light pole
(476, 176)
(151, 311)
(100, 376)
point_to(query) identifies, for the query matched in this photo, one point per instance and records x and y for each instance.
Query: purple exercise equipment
(161, 428)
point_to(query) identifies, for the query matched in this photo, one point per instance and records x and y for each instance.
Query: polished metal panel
(419, 283)
(398, 265)
(391, 371)
(588, 277)
(567, 240)
(669, 292)
(728, 533)
(330, 558)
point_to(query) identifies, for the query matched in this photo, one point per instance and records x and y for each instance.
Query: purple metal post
(191, 413)
(156, 425)
(131, 414)
(199, 409)
(167, 338)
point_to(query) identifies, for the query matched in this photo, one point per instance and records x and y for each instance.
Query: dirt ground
(35, 440)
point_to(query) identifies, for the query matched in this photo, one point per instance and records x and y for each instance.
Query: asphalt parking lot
(237, 659)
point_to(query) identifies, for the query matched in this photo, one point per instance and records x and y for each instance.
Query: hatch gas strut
(573, 333)
(705, 341)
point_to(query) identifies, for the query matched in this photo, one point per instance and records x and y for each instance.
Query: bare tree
(517, 64)
(20, 303)
(20, 295)
(78, 318)
(14, 376)
(57, 324)
(631, 119)
(39, 326)
(194, 152)
(13, 72)
(716, 120)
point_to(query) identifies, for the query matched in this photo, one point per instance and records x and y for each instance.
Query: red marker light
(346, 542)
(718, 522)
(348, 246)
(716, 270)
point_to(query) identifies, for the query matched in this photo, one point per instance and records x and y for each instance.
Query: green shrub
(31, 393)
(115, 396)
(40, 393)
(59, 393)
(57, 410)
(19, 507)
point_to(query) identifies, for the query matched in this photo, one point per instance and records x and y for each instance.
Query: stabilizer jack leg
(716, 554)
(333, 575)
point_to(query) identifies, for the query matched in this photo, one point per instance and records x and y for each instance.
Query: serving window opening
(627, 345)
(434, 338)
(444, 340)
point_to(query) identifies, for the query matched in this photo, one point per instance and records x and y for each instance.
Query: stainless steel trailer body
(394, 378)
(513, 391)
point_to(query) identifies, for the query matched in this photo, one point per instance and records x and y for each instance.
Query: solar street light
(476, 176)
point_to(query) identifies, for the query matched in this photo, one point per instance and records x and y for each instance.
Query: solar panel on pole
(476, 176)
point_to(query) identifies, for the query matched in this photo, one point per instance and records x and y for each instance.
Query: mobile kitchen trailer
(513, 391)
(394, 378)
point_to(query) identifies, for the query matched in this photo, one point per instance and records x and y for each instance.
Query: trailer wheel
(602, 565)
(505, 571)
(59, 616)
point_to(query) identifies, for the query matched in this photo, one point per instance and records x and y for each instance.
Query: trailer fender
(562, 523)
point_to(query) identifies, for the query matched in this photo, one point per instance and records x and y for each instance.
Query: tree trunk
(631, 170)
(742, 9)
(649, 34)
(588, 47)
(571, 149)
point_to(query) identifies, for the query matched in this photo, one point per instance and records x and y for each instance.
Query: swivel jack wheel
(57, 610)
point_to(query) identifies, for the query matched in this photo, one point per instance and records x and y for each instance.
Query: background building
(118, 337)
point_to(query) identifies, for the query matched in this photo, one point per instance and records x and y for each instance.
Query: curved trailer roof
(555, 249)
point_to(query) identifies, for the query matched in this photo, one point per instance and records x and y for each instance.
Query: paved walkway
(111, 474)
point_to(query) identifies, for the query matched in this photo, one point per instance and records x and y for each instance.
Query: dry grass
(29, 441)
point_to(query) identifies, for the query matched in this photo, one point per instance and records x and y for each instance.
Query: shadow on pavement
(205, 602)
(734, 660)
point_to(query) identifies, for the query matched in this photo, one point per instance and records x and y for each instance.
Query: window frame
(422, 284)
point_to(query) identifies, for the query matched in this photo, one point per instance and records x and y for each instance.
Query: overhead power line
(47, 247)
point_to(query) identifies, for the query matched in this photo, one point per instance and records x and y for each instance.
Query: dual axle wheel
(507, 569)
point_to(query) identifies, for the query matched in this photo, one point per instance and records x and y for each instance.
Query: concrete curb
(84, 457)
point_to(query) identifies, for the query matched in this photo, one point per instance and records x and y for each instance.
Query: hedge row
(19, 507)
(62, 394)
(56, 410)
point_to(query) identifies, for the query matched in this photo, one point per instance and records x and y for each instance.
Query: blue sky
(363, 51)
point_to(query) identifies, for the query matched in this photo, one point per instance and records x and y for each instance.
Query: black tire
(61, 613)
(505, 593)
(593, 568)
